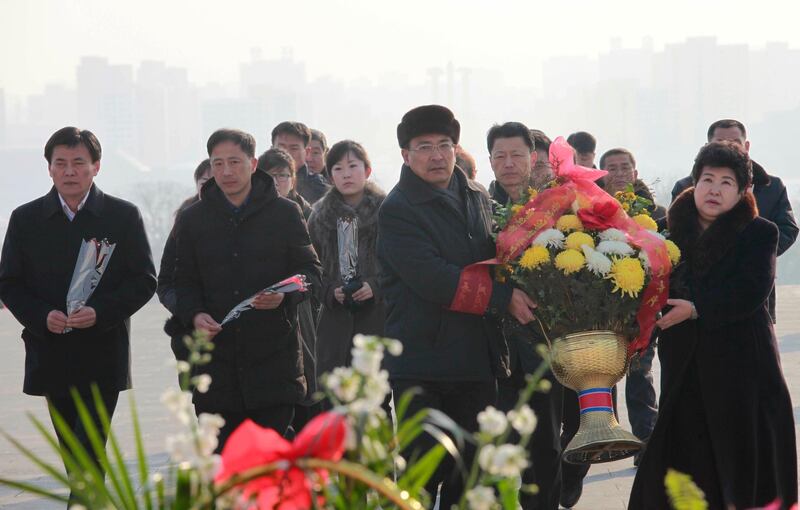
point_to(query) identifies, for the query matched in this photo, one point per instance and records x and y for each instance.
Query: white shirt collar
(67, 210)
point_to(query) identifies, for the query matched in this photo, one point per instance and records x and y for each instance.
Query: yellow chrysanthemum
(534, 257)
(577, 240)
(646, 221)
(627, 274)
(570, 261)
(516, 208)
(626, 206)
(568, 223)
(502, 272)
(673, 251)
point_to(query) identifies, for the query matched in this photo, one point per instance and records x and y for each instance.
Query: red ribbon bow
(251, 446)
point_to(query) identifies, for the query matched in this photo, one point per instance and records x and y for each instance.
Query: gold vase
(591, 363)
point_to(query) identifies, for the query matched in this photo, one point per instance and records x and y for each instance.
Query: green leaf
(683, 493)
(140, 455)
(508, 493)
(34, 490)
(51, 470)
(421, 471)
(405, 401)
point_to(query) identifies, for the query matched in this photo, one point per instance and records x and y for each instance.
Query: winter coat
(773, 205)
(311, 186)
(38, 260)
(294, 196)
(424, 242)
(725, 415)
(224, 257)
(338, 325)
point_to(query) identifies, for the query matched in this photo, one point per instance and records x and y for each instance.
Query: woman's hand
(681, 310)
(363, 294)
(338, 294)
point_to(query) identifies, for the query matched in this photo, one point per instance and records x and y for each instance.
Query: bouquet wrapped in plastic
(296, 283)
(92, 262)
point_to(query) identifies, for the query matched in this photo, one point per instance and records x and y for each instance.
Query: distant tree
(158, 201)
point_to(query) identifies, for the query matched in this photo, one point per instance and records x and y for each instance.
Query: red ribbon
(251, 446)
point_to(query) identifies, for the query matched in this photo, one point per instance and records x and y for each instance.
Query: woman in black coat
(725, 415)
(358, 307)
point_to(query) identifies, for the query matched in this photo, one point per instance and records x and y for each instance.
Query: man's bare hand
(82, 318)
(338, 294)
(268, 301)
(364, 293)
(521, 307)
(56, 321)
(204, 322)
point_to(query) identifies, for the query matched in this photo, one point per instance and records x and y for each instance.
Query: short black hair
(237, 136)
(297, 129)
(724, 124)
(725, 154)
(72, 137)
(319, 136)
(276, 158)
(341, 149)
(510, 130)
(616, 152)
(582, 142)
(540, 140)
(201, 169)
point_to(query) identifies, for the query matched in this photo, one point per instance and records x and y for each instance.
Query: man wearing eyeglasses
(433, 225)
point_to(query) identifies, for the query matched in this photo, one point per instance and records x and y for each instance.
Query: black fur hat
(423, 120)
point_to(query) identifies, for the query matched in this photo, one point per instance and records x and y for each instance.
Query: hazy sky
(42, 40)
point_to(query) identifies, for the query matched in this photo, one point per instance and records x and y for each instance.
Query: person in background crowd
(90, 345)
(726, 417)
(317, 152)
(585, 146)
(770, 192)
(466, 162)
(352, 303)
(166, 273)
(280, 165)
(512, 156)
(238, 239)
(640, 395)
(433, 224)
(294, 138)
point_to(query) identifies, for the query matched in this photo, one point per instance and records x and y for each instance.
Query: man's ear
(635, 175)
(534, 158)
(747, 146)
(254, 164)
(404, 153)
(96, 167)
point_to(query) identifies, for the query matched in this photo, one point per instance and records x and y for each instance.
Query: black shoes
(571, 493)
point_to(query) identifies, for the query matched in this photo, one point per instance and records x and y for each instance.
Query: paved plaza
(607, 485)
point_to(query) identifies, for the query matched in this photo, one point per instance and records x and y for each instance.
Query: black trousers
(461, 401)
(544, 447)
(65, 406)
(277, 417)
(640, 395)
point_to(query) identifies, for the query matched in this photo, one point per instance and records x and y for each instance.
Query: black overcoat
(725, 415)
(338, 325)
(223, 258)
(424, 242)
(39, 255)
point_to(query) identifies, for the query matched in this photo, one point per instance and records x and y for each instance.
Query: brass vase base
(600, 438)
(592, 362)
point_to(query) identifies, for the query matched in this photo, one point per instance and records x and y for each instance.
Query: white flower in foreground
(395, 347)
(508, 461)
(612, 234)
(367, 362)
(486, 457)
(481, 498)
(523, 420)
(179, 403)
(614, 248)
(344, 383)
(492, 422)
(550, 238)
(202, 382)
(596, 262)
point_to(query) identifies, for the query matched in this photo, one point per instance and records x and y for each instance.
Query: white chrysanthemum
(614, 248)
(492, 422)
(657, 235)
(523, 420)
(596, 262)
(550, 238)
(645, 260)
(612, 234)
(481, 498)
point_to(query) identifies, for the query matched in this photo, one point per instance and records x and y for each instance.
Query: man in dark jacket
(432, 225)
(294, 138)
(238, 239)
(90, 345)
(512, 154)
(770, 192)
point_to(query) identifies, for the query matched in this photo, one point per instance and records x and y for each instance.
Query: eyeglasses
(281, 177)
(427, 149)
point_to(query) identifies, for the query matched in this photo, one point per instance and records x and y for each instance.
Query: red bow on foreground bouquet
(287, 487)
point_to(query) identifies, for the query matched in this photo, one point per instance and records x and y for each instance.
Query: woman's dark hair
(728, 155)
(244, 140)
(202, 169)
(341, 149)
(276, 158)
(509, 130)
(72, 137)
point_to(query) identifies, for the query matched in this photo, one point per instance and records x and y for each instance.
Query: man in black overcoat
(90, 345)
(431, 226)
(240, 238)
